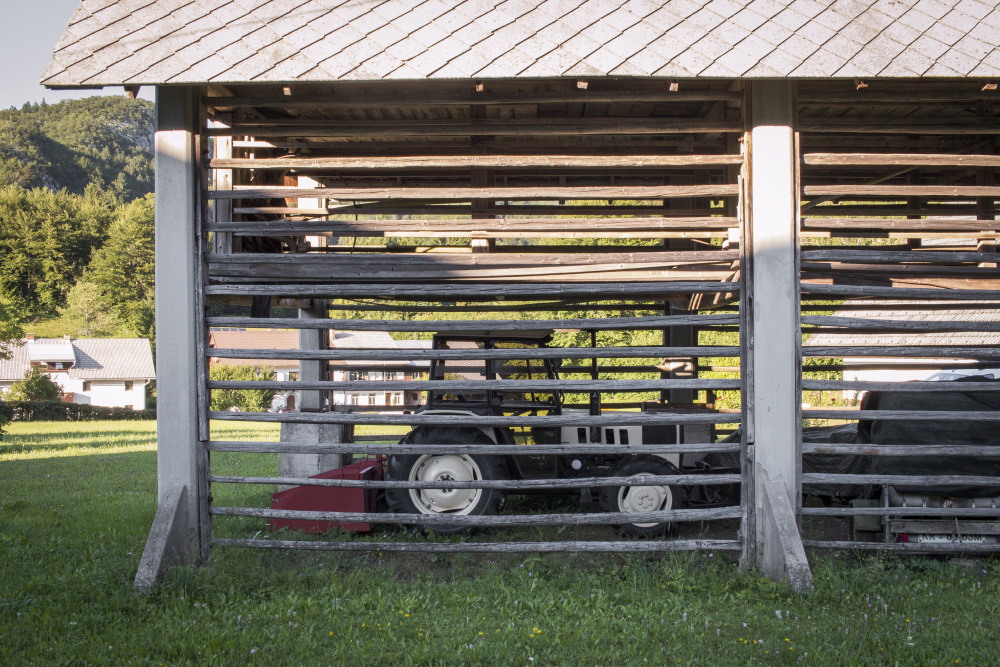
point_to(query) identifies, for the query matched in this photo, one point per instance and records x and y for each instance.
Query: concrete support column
(176, 335)
(773, 430)
(307, 465)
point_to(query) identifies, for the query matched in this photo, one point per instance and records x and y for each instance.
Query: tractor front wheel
(642, 497)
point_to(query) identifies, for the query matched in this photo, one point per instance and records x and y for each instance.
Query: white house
(340, 371)
(262, 339)
(378, 371)
(111, 372)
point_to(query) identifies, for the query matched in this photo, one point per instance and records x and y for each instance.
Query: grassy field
(76, 501)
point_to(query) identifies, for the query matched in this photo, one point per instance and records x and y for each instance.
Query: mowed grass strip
(76, 501)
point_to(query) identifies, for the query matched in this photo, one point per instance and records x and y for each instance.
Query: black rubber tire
(407, 501)
(612, 497)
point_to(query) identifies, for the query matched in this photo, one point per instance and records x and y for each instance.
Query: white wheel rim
(644, 499)
(458, 468)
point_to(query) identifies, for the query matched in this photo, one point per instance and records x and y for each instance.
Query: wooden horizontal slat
(466, 194)
(497, 327)
(611, 211)
(623, 352)
(569, 386)
(924, 224)
(904, 415)
(871, 324)
(493, 292)
(875, 125)
(524, 227)
(457, 127)
(904, 511)
(897, 292)
(859, 189)
(616, 419)
(910, 385)
(905, 548)
(491, 521)
(592, 162)
(505, 450)
(907, 480)
(900, 159)
(912, 351)
(876, 256)
(626, 546)
(505, 484)
(838, 449)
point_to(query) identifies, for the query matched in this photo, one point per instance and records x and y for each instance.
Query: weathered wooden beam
(900, 450)
(616, 419)
(591, 162)
(340, 212)
(856, 190)
(505, 484)
(502, 521)
(629, 352)
(882, 324)
(467, 194)
(924, 224)
(494, 292)
(498, 327)
(897, 159)
(816, 291)
(288, 128)
(523, 227)
(904, 415)
(931, 126)
(911, 351)
(907, 386)
(430, 448)
(571, 546)
(518, 386)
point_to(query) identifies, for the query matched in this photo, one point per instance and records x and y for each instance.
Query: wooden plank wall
(899, 226)
(579, 193)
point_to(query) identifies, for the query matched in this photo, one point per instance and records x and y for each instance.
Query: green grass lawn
(76, 501)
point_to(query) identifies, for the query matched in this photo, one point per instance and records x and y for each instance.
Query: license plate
(954, 539)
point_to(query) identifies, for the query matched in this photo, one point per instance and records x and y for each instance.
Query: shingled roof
(115, 42)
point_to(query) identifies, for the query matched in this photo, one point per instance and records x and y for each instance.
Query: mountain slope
(107, 141)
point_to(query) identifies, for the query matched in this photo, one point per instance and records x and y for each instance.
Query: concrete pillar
(307, 465)
(176, 350)
(773, 431)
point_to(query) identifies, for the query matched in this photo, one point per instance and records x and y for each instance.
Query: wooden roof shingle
(132, 42)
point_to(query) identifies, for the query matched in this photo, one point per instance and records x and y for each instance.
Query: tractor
(524, 363)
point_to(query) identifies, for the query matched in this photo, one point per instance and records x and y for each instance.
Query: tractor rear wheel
(444, 467)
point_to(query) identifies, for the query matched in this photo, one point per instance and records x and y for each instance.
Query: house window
(86, 386)
(128, 385)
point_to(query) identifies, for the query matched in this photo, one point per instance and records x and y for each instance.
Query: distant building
(340, 370)
(262, 339)
(111, 372)
(360, 370)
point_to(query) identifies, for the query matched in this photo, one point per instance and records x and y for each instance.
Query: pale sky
(30, 32)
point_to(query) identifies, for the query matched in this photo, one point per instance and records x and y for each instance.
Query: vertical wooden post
(774, 428)
(177, 205)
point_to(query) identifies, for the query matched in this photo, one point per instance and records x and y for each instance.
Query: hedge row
(27, 411)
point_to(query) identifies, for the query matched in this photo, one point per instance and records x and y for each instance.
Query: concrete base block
(307, 465)
(169, 541)
(783, 557)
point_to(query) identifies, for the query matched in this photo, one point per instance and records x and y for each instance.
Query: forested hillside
(76, 217)
(106, 142)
